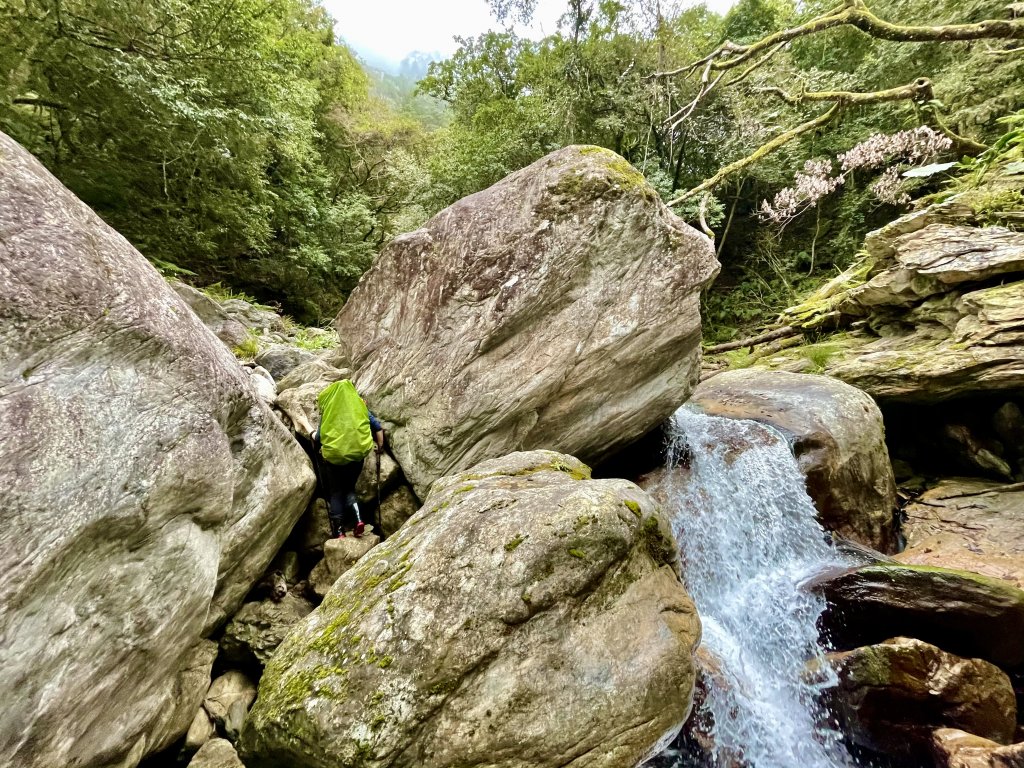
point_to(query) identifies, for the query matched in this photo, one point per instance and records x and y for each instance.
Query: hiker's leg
(349, 476)
(335, 489)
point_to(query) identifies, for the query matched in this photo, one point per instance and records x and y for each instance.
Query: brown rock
(954, 748)
(891, 696)
(837, 436)
(968, 524)
(959, 611)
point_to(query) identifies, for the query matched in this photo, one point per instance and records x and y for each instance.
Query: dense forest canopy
(241, 142)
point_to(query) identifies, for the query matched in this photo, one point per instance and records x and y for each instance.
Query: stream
(748, 539)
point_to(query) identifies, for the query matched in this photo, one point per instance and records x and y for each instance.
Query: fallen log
(753, 341)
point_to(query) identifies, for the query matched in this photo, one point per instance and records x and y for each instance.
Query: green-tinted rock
(959, 611)
(893, 695)
(448, 646)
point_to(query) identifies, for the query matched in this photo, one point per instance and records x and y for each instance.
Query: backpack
(345, 434)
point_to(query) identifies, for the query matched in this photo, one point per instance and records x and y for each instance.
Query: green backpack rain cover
(344, 424)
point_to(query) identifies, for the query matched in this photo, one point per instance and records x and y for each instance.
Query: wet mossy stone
(959, 611)
(503, 600)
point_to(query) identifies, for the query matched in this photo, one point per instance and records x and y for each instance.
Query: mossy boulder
(492, 630)
(556, 309)
(893, 695)
(961, 612)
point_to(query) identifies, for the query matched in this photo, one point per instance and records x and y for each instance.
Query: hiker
(347, 433)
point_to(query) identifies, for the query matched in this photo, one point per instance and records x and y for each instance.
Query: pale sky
(392, 29)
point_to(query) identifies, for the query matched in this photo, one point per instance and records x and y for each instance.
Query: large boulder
(557, 309)
(145, 487)
(961, 612)
(837, 435)
(892, 696)
(968, 524)
(527, 616)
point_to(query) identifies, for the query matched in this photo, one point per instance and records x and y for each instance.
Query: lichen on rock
(446, 646)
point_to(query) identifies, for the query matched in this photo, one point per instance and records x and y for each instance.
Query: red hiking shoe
(358, 530)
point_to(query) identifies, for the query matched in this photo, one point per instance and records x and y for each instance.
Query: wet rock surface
(893, 695)
(837, 435)
(961, 612)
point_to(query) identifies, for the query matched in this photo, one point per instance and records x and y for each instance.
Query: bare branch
(761, 338)
(855, 13)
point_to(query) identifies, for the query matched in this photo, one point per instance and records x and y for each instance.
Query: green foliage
(216, 136)
(308, 338)
(237, 142)
(220, 293)
(249, 348)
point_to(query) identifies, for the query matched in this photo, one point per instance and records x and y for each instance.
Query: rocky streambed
(173, 597)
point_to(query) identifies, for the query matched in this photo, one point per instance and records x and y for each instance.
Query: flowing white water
(748, 538)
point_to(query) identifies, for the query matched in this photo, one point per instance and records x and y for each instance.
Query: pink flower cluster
(910, 147)
(816, 181)
(809, 186)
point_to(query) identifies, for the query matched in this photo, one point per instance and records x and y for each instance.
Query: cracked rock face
(144, 486)
(557, 309)
(526, 617)
(969, 524)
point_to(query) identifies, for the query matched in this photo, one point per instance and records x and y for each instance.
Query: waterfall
(748, 538)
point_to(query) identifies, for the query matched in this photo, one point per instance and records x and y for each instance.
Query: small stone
(339, 556)
(216, 753)
(226, 690)
(201, 731)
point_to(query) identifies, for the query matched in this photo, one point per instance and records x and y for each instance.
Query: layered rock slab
(837, 435)
(961, 612)
(144, 486)
(489, 631)
(557, 309)
(930, 324)
(968, 524)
